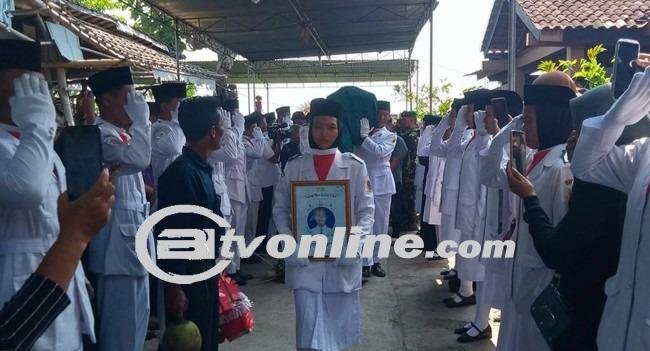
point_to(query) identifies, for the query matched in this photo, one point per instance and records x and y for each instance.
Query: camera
(279, 132)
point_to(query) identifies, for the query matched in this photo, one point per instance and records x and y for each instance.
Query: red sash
(322, 165)
(537, 158)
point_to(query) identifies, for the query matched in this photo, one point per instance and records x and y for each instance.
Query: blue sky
(458, 28)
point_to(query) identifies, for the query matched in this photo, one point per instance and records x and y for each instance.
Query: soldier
(167, 138)
(410, 134)
(375, 150)
(121, 279)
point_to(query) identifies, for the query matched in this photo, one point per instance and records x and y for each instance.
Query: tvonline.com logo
(200, 244)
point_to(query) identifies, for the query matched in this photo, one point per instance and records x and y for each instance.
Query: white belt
(132, 206)
(33, 245)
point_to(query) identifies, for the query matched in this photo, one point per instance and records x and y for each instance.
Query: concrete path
(400, 312)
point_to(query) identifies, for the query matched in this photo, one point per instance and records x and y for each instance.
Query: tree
(440, 96)
(589, 70)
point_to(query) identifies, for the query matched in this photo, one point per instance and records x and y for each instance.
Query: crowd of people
(574, 205)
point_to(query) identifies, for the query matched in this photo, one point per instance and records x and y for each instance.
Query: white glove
(461, 118)
(237, 120)
(364, 128)
(137, 109)
(479, 117)
(304, 140)
(257, 133)
(634, 104)
(175, 113)
(225, 117)
(31, 104)
(287, 119)
(428, 130)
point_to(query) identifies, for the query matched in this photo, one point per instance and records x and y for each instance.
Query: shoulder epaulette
(353, 156)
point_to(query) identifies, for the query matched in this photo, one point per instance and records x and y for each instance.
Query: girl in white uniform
(326, 293)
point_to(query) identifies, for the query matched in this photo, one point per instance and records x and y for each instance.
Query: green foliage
(440, 96)
(190, 90)
(589, 70)
(98, 5)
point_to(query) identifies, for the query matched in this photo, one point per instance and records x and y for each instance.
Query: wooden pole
(65, 99)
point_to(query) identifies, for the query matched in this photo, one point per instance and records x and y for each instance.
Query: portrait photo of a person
(321, 221)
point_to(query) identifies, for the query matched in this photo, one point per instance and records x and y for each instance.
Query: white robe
(497, 213)
(31, 180)
(625, 324)
(468, 207)
(326, 292)
(552, 177)
(451, 180)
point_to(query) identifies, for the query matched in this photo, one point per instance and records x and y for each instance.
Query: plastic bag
(235, 310)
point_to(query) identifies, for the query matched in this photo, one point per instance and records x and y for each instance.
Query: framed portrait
(317, 207)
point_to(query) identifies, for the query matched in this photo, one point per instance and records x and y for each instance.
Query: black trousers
(265, 211)
(427, 231)
(203, 310)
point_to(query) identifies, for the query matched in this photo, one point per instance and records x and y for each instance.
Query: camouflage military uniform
(404, 219)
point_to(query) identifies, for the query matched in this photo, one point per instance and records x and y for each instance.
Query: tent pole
(512, 47)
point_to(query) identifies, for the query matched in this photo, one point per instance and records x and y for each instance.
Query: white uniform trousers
(382, 212)
(122, 312)
(252, 212)
(239, 215)
(327, 321)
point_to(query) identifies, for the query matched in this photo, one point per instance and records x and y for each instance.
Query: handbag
(235, 310)
(553, 314)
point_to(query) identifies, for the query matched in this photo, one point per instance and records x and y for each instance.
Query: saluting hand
(137, 108)
(364, 128)
(31, 104)
(519, 184)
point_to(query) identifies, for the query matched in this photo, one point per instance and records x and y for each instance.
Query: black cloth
(427, 231)
(30, 312)
(288, 151)
(357, 104)
(20, 54)
(109, 79)
(265, 212)
(584, 249)
(188, 181)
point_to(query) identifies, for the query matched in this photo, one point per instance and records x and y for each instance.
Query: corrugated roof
(273, 29)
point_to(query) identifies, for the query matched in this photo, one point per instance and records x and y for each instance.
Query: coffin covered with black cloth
(357, 104)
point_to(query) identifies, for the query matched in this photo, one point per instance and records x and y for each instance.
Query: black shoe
(461, 331)
(447, 272)
(238, 279)
(365, 272)
(464, 301)
(244, 275)
(454, 285)
(483, 334)
(252, 260)
(377, 270)
(437, 257)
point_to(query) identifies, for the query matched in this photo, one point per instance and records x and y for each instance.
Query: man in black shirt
(187, 181)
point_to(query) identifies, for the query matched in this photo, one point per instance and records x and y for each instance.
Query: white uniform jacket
(375, 151)
(469, 190)
(452, 151)
(112, 250)
(167, 141)
(625, 323)
(343, 274)
(257, 151)
(233, 154)
(31, 180)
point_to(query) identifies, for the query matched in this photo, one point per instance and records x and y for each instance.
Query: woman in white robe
(326, 293)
